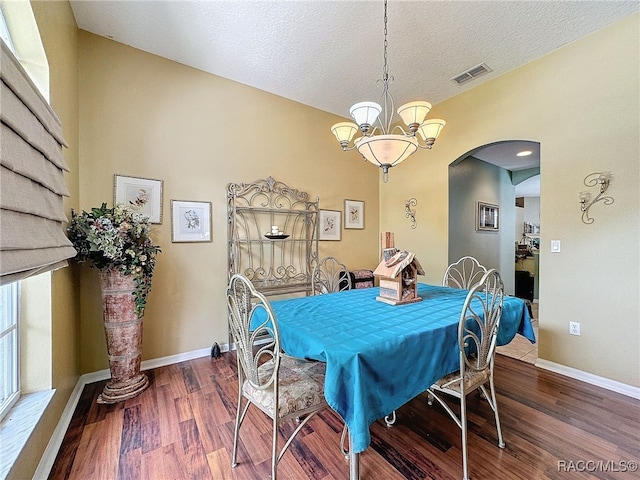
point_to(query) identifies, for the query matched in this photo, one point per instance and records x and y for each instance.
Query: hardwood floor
(182, 428)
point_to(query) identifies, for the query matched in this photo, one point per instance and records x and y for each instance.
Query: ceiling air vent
(472, 73)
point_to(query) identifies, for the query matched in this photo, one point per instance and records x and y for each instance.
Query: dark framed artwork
(488, 217)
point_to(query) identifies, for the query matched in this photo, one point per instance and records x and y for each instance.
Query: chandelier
(383, 145)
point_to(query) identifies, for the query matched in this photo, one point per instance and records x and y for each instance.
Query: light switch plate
(555, 246)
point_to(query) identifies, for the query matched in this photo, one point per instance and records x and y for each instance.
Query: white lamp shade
(414, 112)
(344, 131)
(430, 129)
(387, 150)
(365, 113)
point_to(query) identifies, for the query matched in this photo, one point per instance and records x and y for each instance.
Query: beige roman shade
(32, 234)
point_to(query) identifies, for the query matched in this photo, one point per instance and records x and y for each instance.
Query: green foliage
(116, 238)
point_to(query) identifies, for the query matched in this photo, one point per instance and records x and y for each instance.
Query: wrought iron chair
(330, 275)
(477, 333)
(464, 273)
(283, 387)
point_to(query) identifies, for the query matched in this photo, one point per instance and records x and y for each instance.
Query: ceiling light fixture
(387, 149)
(524, 153)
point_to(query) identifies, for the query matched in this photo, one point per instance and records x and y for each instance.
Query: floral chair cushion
(301, 385)
(472, 380)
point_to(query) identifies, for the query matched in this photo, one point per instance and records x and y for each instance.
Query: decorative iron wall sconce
(593, 180)
(410, 214)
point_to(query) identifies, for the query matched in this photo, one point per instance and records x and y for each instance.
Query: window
(25, 307)
(19, 31)
(9, 374)
(4, 33)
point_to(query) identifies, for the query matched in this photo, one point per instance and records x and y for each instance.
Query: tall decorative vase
(123, 329)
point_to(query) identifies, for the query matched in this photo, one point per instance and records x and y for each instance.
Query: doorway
(498, 174)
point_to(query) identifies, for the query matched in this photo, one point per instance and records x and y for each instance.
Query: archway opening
(494, 179)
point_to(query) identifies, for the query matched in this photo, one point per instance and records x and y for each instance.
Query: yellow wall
(581, 103)
(128, 112)
(60, 40)
(145, 116)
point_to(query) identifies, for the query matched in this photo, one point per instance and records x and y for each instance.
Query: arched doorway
(495, 175)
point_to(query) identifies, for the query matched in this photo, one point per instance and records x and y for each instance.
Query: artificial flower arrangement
(117, 238)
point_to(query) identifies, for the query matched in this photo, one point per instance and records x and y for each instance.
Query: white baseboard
(150, 364)
(50, 453)
(613, 385)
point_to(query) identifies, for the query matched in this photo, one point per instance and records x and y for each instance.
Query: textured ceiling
(328, 54)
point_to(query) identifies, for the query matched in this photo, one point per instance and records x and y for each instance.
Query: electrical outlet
(574, 328)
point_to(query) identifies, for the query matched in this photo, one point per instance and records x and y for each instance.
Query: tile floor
(520, 347)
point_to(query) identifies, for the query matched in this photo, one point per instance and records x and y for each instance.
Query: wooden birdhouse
(398, 276)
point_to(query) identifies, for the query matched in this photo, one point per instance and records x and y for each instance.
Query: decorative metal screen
(275, 265)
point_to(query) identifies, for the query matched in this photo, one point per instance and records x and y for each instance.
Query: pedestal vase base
(114, 392)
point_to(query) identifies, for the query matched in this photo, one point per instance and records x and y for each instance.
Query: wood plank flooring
(182, 428)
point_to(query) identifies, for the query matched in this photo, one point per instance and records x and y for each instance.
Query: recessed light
(524, 153)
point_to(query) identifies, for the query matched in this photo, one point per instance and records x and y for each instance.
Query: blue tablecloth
(380, 356)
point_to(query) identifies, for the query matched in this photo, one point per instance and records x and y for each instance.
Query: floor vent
(472, 73)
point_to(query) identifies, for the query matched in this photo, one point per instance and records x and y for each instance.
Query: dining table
(379, 356)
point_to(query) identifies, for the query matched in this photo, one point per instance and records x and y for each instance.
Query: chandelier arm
(399, 127)
(387, 107)
(372, 131)
(426, 146)
(348, 149)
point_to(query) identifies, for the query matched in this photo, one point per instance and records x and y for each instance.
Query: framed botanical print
(190, 221)
(329, 227)
(353, 214)
(488, 217)
(143, 195)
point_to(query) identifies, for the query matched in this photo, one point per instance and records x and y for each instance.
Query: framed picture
(143, 195)
(190, 221)
(353, 214)
(329, 225)
(488, 218)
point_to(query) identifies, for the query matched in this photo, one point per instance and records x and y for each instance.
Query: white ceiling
(328, 54)
(504, 154)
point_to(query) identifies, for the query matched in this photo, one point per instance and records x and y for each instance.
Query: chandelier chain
(385, 69)
(386, 98)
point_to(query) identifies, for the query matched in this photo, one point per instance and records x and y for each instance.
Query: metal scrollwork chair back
(464, 273)
(477, 335)
(283, 387)
(330, 275)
